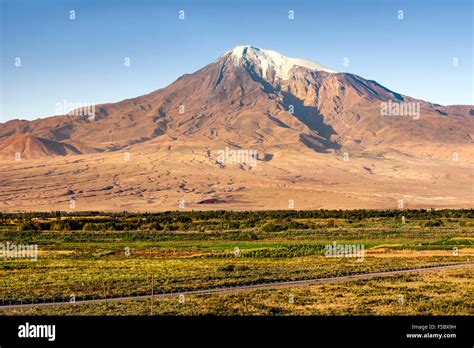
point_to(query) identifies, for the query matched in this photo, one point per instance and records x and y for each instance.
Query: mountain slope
(30, 147)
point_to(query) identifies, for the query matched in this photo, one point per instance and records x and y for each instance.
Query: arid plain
(153, 179)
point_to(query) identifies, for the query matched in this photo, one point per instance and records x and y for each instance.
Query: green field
(92, 255)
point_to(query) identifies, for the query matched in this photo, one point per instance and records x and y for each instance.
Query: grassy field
(95, 256)
(443, 292)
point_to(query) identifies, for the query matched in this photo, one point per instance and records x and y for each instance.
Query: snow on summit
(275, 61)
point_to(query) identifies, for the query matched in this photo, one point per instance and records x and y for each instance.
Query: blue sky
(82, 60)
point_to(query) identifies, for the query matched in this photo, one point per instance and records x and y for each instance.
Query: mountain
(251, 97)
(323, 139)
(32, 147)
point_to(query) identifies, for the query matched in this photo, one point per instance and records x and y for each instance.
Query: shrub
(232, 268)
(88, 227)
(227, 268)
(254, 236)
(155, 226)
(183, 226)
(184, 219)
(435, 223)
(294, 225)
(272, 227)
(26, 226)
(242, 268)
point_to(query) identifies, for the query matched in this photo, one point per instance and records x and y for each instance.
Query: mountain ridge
(251, 98)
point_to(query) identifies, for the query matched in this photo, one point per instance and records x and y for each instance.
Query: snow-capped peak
(275, 61)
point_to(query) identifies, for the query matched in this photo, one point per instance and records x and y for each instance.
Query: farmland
(98, 256)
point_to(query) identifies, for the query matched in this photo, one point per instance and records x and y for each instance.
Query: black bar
(242, 331)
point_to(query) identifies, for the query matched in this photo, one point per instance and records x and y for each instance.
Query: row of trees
(267, 221)
(188, 216)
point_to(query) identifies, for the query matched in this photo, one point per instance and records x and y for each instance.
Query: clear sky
(82, 60)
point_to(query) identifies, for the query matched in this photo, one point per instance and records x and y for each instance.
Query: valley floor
(99, 256)
(150, 179)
